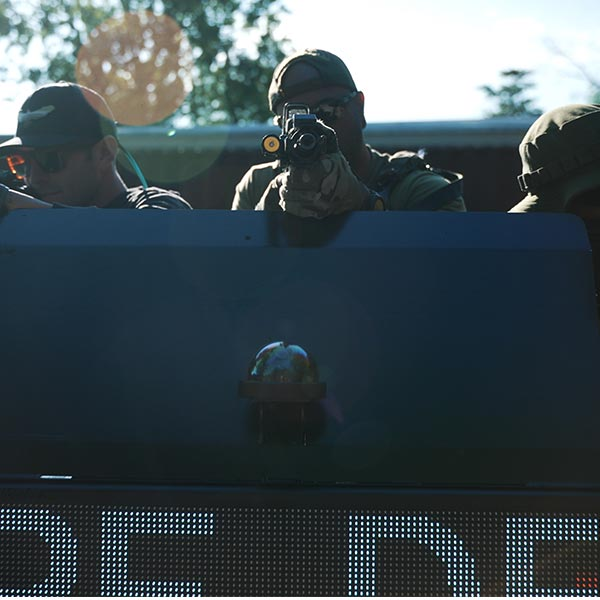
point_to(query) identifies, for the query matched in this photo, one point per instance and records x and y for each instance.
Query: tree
(511, 96)
(583, 71)
(213, 59)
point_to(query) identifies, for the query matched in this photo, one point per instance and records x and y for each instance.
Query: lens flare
(141, 63)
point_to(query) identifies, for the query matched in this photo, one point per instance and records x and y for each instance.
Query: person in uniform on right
(355, 177)
(560, 155)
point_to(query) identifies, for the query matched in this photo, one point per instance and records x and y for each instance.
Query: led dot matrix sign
(228, 549)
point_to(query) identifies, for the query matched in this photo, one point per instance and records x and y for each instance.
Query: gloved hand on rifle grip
(325, 187)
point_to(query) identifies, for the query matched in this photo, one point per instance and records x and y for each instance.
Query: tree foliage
(511, 97)
(585, 71)
(231, 50)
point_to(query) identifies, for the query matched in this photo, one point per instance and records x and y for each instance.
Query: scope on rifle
(303, 139)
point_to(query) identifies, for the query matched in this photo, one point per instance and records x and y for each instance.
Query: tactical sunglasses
(51, 160)
(329, 110)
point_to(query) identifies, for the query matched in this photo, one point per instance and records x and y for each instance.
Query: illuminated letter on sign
(63, 549)
(522, 533)
(365, 530)
(118, 525)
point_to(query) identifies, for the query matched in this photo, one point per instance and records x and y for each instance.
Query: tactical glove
(323, 188)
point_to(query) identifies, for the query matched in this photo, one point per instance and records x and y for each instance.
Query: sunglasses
(329, 110)
(50, 160)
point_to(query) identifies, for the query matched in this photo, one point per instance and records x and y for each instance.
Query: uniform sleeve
(253, 185)
(413, 191)
(243, 199)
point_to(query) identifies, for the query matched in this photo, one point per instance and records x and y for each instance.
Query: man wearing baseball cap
(65, 150)
(357, 177)
(560, 156)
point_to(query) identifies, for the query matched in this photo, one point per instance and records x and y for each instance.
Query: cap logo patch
(34, 115)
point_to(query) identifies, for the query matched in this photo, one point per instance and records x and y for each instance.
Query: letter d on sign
(365, 530)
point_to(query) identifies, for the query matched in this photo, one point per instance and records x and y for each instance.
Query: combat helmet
(560, 156)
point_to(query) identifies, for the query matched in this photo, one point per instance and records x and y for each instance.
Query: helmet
(560, 155)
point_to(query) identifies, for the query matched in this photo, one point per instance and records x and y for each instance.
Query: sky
(422, 61)
(425, 61)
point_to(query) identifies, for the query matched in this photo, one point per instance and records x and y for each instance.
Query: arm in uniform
(252, 186)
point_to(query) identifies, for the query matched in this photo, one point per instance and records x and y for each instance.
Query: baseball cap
(560, 148)
(331, 71)
(62, 114)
